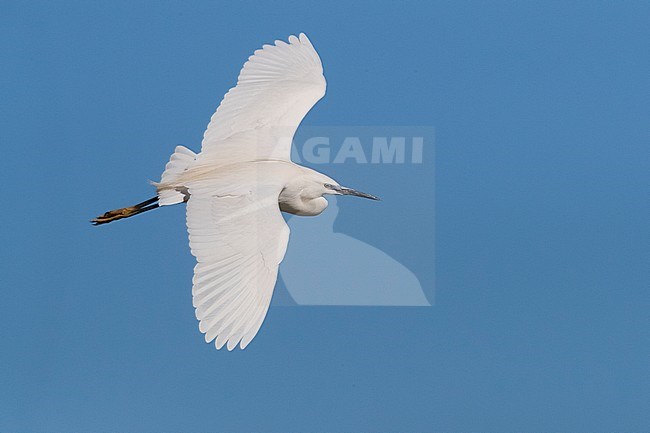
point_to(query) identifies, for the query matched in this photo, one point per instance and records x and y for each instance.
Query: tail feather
(178, 163)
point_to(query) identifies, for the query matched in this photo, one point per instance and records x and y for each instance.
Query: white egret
(236, 187)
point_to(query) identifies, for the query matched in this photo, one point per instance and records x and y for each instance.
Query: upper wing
(239, 239)
(258, 118)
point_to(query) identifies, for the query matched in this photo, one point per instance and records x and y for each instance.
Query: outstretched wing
(239, 239)
(258, 118)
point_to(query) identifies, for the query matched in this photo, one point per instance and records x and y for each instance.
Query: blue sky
(540, 319)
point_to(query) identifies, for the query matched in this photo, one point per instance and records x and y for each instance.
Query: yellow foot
(125, 212)
(113, 215)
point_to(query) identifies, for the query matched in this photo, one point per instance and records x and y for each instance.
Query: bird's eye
(332, 187)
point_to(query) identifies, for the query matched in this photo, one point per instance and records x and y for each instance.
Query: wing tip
(301, 39)
(304, 39)
(230, 342)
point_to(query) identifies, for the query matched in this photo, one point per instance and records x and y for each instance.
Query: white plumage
(236, 187)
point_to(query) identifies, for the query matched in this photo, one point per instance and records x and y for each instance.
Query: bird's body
(296, 187)
(236, 187)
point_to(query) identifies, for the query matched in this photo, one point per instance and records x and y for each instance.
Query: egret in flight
(236, 187)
